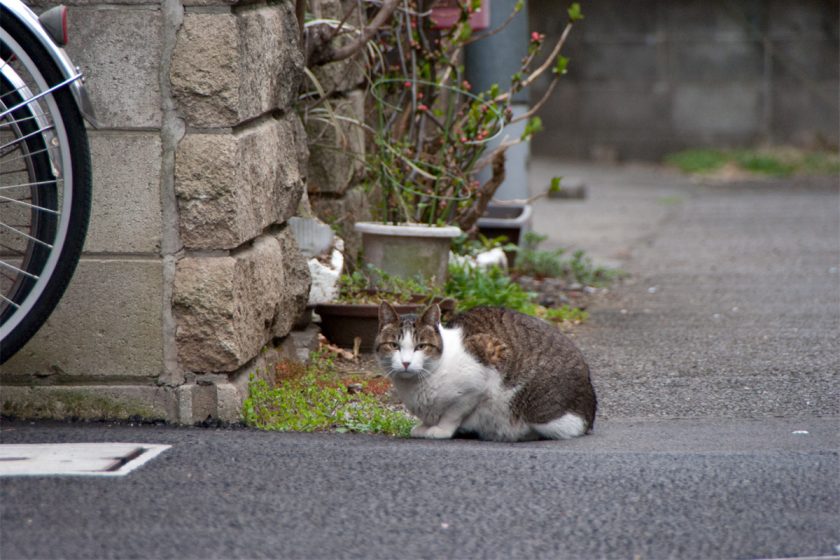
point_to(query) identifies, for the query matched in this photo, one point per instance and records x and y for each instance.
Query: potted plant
(428, 133)
(351, 321)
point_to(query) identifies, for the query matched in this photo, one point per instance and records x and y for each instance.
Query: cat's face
(408, 345)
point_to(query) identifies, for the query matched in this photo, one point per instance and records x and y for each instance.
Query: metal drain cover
(76, 459)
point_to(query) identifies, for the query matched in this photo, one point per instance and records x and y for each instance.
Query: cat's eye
(388, 346)
(422, 346)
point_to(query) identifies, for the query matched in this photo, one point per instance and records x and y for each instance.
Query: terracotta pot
(341, 323)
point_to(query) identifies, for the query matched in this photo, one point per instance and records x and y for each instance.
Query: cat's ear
(431, 316)
(387, 313)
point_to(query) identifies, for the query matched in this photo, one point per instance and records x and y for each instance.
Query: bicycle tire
(67, 232)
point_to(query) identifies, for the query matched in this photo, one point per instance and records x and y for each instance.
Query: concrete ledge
(89, 402)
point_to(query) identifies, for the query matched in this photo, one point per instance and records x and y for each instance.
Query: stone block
(126, 208)
(717, 110)
(806, 116)
(721, 61)
(805, 19)
(119, 52)
(806, 58)
(228, 68)
(227, 308)
(107, 325)
(623, 106)
(337, 151)
(232, 186)
(344, 75)
(89, 402)
(628, 62)
(698, 20)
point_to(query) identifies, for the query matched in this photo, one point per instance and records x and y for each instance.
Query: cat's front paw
(419, 431)
(437, 432)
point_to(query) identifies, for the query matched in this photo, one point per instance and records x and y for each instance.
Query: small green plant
(556, 185)
(472, 286)
(315, 399)
(370, 284)
(772, 162)
(532, 261)
(464, 245)
(565, 313)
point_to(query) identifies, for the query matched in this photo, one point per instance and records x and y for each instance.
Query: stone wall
(649, 77)
(337, 147)
(189, 275)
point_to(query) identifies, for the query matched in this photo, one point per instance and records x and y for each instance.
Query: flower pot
(510, 220)
(408, 250)
(341, 323)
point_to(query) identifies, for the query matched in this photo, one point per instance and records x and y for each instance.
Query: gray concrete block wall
(176, 86)
(650, 77)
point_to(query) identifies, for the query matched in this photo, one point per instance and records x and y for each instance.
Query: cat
(490, 372)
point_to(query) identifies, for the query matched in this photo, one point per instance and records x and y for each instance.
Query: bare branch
(486, 191)
(322, 50)
(545, 65)
(533, 110)
(492, 32)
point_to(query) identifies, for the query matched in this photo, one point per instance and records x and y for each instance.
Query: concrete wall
(189, 275)
(649, 77)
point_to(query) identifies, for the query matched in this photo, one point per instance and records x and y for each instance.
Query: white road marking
(76, 459)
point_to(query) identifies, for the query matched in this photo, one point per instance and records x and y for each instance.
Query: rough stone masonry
(190, 277)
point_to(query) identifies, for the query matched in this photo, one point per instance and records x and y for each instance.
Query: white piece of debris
(76, 459)
(800, 432)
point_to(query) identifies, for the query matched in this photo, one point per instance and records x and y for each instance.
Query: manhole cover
(82, 459)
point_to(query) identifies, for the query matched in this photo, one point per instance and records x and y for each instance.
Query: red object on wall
(445, 14)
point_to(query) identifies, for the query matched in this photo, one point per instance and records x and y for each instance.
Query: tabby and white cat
(490, 372)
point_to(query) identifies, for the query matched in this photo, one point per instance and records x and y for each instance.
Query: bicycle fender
(70, 72)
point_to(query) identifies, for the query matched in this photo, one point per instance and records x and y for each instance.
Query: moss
(69, 404)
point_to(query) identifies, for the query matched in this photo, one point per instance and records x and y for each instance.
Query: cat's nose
(406, 364)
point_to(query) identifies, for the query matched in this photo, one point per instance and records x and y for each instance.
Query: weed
(317, 400)
(472, 286)
(773, 162)
(532, 261)
(565, 314)
(369, 285)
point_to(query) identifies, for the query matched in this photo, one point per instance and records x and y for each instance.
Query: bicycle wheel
(44, 185)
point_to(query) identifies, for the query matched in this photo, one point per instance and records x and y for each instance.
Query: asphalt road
(634, 489)
(718, 375)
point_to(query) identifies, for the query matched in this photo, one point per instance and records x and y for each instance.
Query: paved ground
(716, 366)
(733, 307)
(654, 489)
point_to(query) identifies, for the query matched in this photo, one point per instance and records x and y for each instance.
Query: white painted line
(76, 459)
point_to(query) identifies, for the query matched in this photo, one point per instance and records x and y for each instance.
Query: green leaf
(555, 184)
(574, 13)
(519, 5)
(561, 67)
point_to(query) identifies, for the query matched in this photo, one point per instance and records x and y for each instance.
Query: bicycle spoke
(42, 94)
(10, 302)
(35, 184)
(18, 270)
(26, 235)
(33, 206)
(22, 138)
(24, 157)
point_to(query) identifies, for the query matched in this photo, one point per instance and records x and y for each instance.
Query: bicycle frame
(72, 76)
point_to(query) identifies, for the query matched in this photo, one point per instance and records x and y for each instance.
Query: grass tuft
(314, 398)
